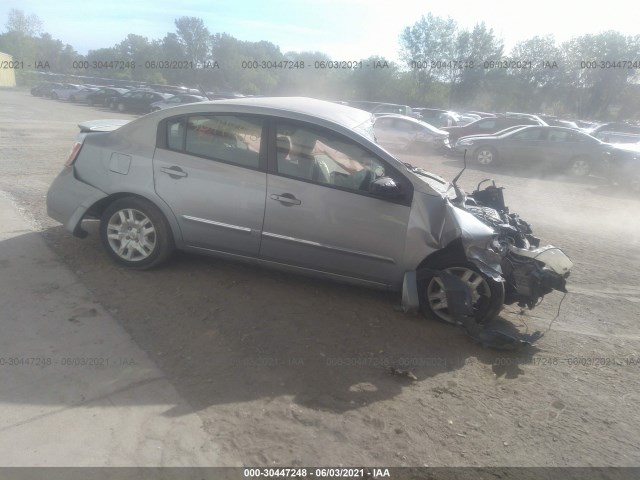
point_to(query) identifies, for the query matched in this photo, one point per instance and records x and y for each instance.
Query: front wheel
(579, 166)
(135, 233)
(487, 295)
(486, 156)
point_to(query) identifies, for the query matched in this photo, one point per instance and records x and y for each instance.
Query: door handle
(286, 199)
(174, 171)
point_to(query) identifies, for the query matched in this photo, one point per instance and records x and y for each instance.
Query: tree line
(441, 65)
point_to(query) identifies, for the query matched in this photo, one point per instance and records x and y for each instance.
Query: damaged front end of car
(477, 232)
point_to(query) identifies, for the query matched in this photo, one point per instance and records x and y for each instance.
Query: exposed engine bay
(530, 271)
(480, 228)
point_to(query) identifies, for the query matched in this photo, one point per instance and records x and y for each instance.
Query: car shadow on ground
(225, 332)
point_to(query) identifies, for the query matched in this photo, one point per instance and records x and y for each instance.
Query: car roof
(344, 115)
(319, 112)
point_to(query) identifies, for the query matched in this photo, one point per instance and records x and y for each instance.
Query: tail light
(73, 155)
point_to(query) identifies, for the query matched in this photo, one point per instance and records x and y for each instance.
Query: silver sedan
(293, 183)
(405, 133)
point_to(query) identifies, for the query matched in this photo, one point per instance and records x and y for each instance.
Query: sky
(343, 29)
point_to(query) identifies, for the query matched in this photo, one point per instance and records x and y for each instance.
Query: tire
(487, 294)
(486, 156)
(135, 233)
(72, 98)
(54, 96)
(579, 166)
(121, 108)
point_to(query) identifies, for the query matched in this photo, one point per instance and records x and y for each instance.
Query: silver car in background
(404, 133)
(299, 184)
(176, 100)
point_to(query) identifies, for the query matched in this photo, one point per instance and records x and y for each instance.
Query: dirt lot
(286, 370)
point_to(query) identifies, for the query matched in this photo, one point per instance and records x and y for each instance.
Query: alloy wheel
(437, 297)
(131, 235)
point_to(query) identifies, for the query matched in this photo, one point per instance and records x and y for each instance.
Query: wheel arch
(97, 209)
(453, 249)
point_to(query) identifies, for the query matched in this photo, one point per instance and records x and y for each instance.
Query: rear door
(319, 212)
(210, 170)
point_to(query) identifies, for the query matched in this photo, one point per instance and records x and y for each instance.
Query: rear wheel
(487, 295)
(135, 233)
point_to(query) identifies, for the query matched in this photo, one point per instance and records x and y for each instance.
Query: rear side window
(226, 138)
(530, 134)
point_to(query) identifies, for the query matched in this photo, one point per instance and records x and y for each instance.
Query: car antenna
(459, 193)
(463, 169)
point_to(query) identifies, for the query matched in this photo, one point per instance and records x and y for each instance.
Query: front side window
(313, 155)
(559, 136)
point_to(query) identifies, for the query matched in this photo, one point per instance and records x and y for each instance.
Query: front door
(319, 213)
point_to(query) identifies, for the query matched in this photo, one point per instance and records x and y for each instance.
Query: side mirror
(385, 187)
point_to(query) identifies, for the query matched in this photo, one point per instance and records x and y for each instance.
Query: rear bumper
(68, 200)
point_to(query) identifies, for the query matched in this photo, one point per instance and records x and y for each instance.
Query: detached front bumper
(68, 200)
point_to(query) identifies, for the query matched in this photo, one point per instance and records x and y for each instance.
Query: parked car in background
(138, 101)
(558, 122)
(44, 89)
(466, 118)
(616, 132)
(437, 117)
(542, 147)
(105, 96)
(387, 108)
(586, 125)
(299, 184)
(381, 108)
(489, 125)
(408, 134)
(177, 100)
(74, 93)
(624, 165)
(63, 92)
(82, 94)
(481, 114)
